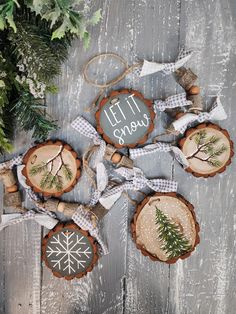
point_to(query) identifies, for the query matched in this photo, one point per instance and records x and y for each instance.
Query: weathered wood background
(125, 281)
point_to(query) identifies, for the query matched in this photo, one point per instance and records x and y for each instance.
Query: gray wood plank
(125, 281)
(100, 291)
(20, 251)
(156, 37)
(205, 283)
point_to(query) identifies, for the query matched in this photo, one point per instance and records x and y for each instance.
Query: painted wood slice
(51, 168)
(125, 118)
(208, 149)
(145, 229)
(69, 251)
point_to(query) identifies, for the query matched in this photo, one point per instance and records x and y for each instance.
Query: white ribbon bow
(166, 68)
(135, 180)
(217, 112)
(174, 101)
(42, 219)
(84, 127)
(160, 147)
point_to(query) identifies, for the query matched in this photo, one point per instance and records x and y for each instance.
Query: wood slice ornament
(125, 118)
(208, 149)
(177, 214)
(69, 251)
(51, 168)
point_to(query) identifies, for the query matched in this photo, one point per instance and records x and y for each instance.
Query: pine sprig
(29, 112)
(36, 54)
(67, 171)
(208, 147)
(175, 243)
(200, 137)
(37, 169)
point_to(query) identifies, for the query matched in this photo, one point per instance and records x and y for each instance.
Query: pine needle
(28, 112)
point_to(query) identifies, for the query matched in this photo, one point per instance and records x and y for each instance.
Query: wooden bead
(194, 90)
(11, 189)
(116, 158)
(7, 177)
(61, 207)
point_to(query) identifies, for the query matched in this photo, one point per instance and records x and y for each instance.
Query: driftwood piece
(197, 104)
(116, 158)
(99, 211)
(109, 152)
(126, 162)
(12, 200)
(185, 77)
(69, 209)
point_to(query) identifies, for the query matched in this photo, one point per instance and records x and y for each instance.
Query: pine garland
(175, 243)
(34, 40)
(30, 114)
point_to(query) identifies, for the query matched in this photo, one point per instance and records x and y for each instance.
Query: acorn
(194, 90)
(116, 158)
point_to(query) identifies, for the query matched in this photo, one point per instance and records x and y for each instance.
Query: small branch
(198, 150)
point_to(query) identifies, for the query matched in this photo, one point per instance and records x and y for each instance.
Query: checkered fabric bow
(84, 127)
(135, 180)
(159, 147)
(171, 102)
(84, 219)
(166, 68)
(217, 112)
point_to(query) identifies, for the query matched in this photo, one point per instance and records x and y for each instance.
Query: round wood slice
(125, 118)
(199, 145)
(69, 251)
(51, 168)
(144, 228)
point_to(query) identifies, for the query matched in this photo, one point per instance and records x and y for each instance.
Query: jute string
(127, 70)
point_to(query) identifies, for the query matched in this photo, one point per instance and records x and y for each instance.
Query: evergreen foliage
(34, 39)
(174, 242)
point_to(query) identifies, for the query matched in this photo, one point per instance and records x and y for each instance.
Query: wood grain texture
(125, 281)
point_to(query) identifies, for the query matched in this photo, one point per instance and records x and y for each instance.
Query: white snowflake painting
(69, 252)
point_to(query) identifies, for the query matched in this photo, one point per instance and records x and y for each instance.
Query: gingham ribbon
(83, 218)
(171, 102)
(42, 219)
(217, 112)
(135, 180)
(166, 68)
(84, 127)
(102, 182)
(11, 163)
(160, 147)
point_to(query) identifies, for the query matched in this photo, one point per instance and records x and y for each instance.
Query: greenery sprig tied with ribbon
(175, 243)
(34, 39)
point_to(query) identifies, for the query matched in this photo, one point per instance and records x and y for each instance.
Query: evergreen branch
(29, 114)
(37, 169)
(67, 171)
(175, 243)
(39, 58)
(200, 137)
(214, 163)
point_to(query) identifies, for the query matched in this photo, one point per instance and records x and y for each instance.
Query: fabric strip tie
(217, 112)
(166, 68)
(160, 147)
(85, 128)
(171, 102)
(135, 180)
(83, 218)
